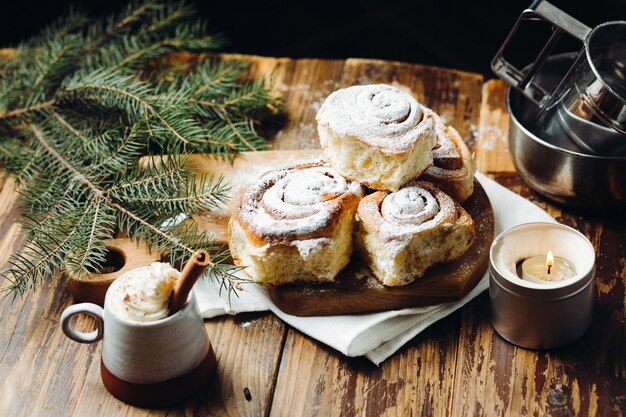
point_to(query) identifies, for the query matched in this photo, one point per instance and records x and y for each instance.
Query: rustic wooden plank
(48, 370)
(315, 380)
(39, 368)
(492, 146)
(303, 85)
(495, 378)
(318, 381)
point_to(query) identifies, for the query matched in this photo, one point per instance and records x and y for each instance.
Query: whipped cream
(143, 294)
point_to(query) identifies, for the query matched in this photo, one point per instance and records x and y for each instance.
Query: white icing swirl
(295, 202)
(410, 206)
(380, 115)
(143, 294)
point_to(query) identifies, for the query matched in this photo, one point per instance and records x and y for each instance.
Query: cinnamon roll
(295, 224)
(403, 233)
(377, 135)
(453, 167)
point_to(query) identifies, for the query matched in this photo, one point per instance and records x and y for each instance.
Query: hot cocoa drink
(150, 357)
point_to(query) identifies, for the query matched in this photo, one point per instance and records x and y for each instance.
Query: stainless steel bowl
(551, 163)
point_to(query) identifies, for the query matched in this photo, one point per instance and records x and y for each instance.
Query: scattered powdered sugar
(473, 131)
(444, 118)
(490, 136)
(245, 324)
(302, 135)
(334, 84)
(307, 128)
(380, 115)
(316, 105)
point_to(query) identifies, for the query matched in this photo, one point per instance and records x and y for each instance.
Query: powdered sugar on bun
(402, 234)
(396, 217)
(379, 115)
(298, 202)
(445, 154)
(453, 167)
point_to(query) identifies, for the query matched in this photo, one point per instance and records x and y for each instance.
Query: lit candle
(544, 270)
(549, 302)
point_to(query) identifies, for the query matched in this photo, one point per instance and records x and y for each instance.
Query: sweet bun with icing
(377, 135)
(401, 234)
(295, 225)
(453, 167)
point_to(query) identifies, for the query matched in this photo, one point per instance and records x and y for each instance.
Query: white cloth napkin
(377, 335)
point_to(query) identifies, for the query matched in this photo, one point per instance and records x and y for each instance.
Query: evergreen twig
(76, 114)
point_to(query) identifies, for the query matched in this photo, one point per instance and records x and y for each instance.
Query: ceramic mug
(150, 364)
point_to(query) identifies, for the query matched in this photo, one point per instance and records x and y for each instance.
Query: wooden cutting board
(356, 290)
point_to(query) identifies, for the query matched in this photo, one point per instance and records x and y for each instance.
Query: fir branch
(77, 111)
(92, 251)
(79, 176)
(41, 256)
(25, 110)
(117, 25)
(168, 17)
(68, 126)
(52, 65)
(151, 178)
(213, 195)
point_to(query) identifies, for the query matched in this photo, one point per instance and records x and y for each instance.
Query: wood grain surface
(457, 367)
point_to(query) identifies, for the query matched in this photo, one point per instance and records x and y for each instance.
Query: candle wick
(549, 267)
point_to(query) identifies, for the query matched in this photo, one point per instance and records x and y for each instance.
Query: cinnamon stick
(191, 272)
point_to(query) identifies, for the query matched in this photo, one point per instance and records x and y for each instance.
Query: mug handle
(523, 80)
(90, 309)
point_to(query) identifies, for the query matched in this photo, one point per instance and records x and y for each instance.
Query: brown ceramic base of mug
(161, 394)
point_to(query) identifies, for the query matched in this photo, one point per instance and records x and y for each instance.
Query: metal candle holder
(540, 315)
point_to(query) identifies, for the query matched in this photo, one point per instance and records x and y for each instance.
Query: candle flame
(549, 261)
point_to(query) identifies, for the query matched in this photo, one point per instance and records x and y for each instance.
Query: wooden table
(459, 366)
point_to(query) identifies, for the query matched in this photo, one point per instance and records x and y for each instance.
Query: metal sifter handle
(561, 23)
